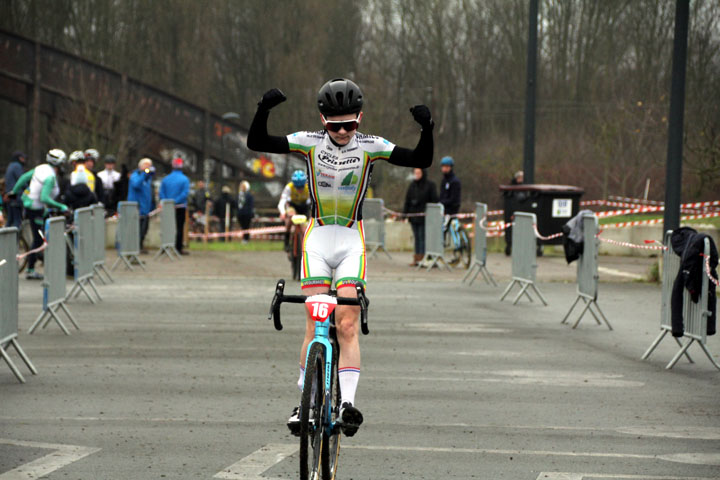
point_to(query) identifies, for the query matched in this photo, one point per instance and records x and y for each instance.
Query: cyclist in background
(296, 198)
(339, 161)
(42, 189)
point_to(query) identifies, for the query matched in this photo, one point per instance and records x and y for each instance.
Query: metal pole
(673, 175)
(531, 88)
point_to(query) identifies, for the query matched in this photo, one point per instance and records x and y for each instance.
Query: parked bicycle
(320, 429)
(457, 242)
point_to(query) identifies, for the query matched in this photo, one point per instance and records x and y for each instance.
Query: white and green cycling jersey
(338, 176)
(42, 188)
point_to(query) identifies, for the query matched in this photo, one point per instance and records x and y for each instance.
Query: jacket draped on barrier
(689, 245)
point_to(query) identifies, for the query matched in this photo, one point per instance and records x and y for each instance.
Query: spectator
(79, 194)
(13, 206)
(518, 178)
(200, 198)
(176, 186)
(450, 190)
(91, 158)
(120, 190)
(225, 207)
(246, 208)
(140, 191)
(420, 192)
(108, 177)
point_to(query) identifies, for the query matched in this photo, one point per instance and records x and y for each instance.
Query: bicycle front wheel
(331, 443)
(312, 408)
(23, 247)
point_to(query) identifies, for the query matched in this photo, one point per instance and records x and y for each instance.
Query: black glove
(272, 98)
(421, 114)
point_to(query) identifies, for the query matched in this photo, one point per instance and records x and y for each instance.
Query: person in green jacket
(40, 188)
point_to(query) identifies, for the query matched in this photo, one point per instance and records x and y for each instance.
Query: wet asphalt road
(178, 374)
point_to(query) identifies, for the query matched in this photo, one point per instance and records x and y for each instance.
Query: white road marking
(620, 273)
(61, 456)
(254, 465)
(581, 476)
(457, 328)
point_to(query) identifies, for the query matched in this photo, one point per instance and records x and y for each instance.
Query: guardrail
(54, 265)
(479, 263)
(587, 273)
(168, 231)
(98, 217)
(83, 254)
(434, 241)
(524, 260)
(9, 302)
(373, 214)
(128, 236)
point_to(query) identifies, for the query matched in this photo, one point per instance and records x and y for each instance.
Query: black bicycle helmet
(340, 96)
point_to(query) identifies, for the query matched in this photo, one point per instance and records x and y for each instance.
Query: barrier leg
(488, 276)
(37, 322)
(679, 354)
(96, 272)
(567, 315)
(654, 344)
(112, 268)
(584, 311)
(69, 315)
(24, 357)
(523, 290)
(175, 252)
(10, 363)
(712, 360)
(470, 271)
(101, 267)
(597, 307)
(51, 315)
(537, 291)
(507, 290)
(94, 287)
(137, 259)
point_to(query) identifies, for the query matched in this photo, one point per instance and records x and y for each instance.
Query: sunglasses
(335, 126)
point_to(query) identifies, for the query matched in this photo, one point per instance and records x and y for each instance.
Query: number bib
(320, 306)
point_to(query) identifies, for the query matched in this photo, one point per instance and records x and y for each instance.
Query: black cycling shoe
(293, 422)
(350, 419)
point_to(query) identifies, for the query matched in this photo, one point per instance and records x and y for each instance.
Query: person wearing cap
(450, 189)
(339, 161)
(108, 177)
(176, 186)
(140, 191)
(13, 206)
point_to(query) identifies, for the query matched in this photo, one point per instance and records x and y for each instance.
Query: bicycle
(297, 234)
(321, 396)
(457, 242)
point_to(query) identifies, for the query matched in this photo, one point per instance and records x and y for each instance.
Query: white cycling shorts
(333, 247)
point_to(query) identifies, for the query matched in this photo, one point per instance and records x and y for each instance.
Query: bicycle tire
(311, 433)
(331, 443)
(465, 247)
(23, 247)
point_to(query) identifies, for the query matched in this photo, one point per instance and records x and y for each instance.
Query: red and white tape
(632, 245)
(550, 237)
(655, 221)
(708, 270)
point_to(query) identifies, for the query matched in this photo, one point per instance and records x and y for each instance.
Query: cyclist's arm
(258, 138)
(421, 157)
(284, 199)
(23, 182)
(46, 195)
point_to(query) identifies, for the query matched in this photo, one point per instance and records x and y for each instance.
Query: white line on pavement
(60, 456)
(254, 465)
(580, 476)
(620, 273)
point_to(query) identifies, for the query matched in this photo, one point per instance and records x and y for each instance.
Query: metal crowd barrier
(168, 229)
(524, 260)
(98, 219)
(373, 214)
(54, 297)
(83, 254)
(434, 242)
(480, 259)
(695, 315)
(587, 273)
(9, 301)
(128, 235)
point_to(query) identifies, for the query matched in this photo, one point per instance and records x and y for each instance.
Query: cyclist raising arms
(339, 161)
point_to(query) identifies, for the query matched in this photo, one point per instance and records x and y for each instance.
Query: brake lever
(275, 305)
(364, 303)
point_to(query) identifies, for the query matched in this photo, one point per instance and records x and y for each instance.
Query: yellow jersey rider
(296, 194)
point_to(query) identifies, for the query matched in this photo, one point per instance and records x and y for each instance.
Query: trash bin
(553, 205)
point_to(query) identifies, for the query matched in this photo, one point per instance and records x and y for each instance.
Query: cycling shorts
(333, 247)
